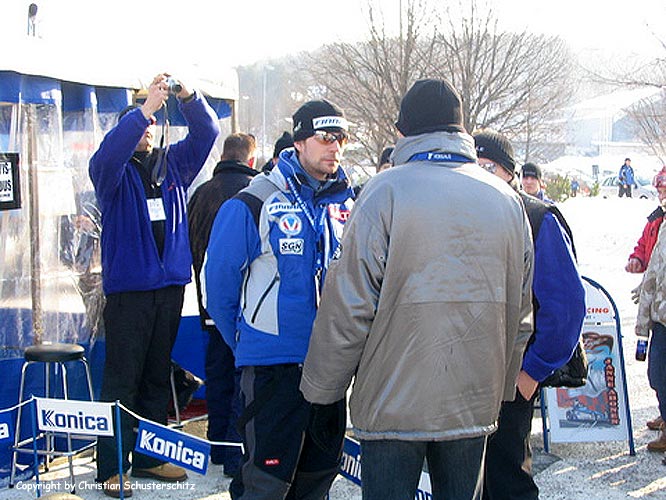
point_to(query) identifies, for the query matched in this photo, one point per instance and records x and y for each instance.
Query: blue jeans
(390, 469)
(657, 365)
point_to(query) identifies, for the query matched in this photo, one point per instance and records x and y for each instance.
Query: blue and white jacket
(267, 257)
(130, 258)
(626, 175)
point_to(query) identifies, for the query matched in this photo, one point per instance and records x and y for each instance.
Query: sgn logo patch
(291, 246)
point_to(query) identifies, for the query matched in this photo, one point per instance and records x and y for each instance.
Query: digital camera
(174, 86)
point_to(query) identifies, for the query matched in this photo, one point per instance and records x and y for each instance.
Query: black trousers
(222, 401)
(508, 473)
(292, 448)
(624, 189)
(141, 328)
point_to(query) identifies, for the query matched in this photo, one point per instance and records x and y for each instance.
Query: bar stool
(50, 355)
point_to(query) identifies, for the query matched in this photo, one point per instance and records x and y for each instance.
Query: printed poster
(598, 410)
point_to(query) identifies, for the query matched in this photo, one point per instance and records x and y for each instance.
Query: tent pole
(33, 198)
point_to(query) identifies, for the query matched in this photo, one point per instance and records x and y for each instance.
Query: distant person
(559, 310)
(626, 179)
(575, 186)
(531, 180)
(385, 159)
(638, 263)
(231, 174)
(146, 263)
(267, 259)
(284, 141)
(640, 257)
(425, 318)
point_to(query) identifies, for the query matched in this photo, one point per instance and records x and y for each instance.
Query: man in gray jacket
(428, 306)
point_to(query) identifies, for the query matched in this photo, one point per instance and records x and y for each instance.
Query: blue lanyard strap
(305, 208)
(440, 157)
(318, 271)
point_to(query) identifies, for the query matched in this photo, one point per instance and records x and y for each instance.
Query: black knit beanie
(317, 115)
(531, 170)
(430, 106)
(495, 147)
(385, 156)
(285, 141)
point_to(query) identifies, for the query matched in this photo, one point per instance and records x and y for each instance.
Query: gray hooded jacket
(429, 303)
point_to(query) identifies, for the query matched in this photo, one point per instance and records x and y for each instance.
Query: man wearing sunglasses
(267, 257)
(146, 264)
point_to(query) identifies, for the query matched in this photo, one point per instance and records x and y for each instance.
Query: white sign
(598, 410)
(6, 181)
(74, 417)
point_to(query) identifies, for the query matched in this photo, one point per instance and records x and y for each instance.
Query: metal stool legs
(56, 355)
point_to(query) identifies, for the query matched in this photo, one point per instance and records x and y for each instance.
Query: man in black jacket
(231, 174)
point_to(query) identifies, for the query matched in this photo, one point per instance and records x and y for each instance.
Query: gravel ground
(572, 471)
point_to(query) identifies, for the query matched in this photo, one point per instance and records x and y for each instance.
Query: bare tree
(368, 79)
(516, 83)
(648, 117)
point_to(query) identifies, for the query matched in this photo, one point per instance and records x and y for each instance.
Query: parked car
(608, 187)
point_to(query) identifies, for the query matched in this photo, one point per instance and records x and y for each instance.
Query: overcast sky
(243, 31)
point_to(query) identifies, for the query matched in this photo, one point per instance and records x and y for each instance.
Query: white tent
(38, 57)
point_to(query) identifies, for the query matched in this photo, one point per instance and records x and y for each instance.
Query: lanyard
(318, 271)
(305, 208)
(440, 157)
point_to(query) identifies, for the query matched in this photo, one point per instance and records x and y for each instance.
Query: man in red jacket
(638, 262)
(640, 257)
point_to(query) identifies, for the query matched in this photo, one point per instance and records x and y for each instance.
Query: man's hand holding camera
(159, 90)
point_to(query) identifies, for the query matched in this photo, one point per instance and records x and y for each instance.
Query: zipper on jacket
(263, 297)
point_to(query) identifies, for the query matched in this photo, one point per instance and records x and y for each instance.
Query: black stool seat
(54, 353)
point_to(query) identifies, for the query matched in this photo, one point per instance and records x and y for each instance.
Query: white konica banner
(597, 411)
(74, 417)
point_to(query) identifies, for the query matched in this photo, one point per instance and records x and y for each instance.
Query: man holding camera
(146, 264)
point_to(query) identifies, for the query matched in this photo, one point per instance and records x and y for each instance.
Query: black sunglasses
(324, 137)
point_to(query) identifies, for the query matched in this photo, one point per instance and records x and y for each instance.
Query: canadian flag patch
(271, 462)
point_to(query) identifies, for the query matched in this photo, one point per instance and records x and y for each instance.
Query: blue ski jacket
(266, 261)
(626, 175)
(130, 258)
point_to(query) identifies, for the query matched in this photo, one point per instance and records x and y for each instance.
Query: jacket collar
(445, 142)
(289, 167)
(234, 166)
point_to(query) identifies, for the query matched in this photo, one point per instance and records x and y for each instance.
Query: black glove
(327, 424)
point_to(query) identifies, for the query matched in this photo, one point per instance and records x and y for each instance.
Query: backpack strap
(536, 210)
(256, 193)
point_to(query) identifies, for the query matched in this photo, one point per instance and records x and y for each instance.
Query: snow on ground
(605, 233)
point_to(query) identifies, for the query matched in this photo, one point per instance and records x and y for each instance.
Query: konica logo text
(74, 421)
(172, 451)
